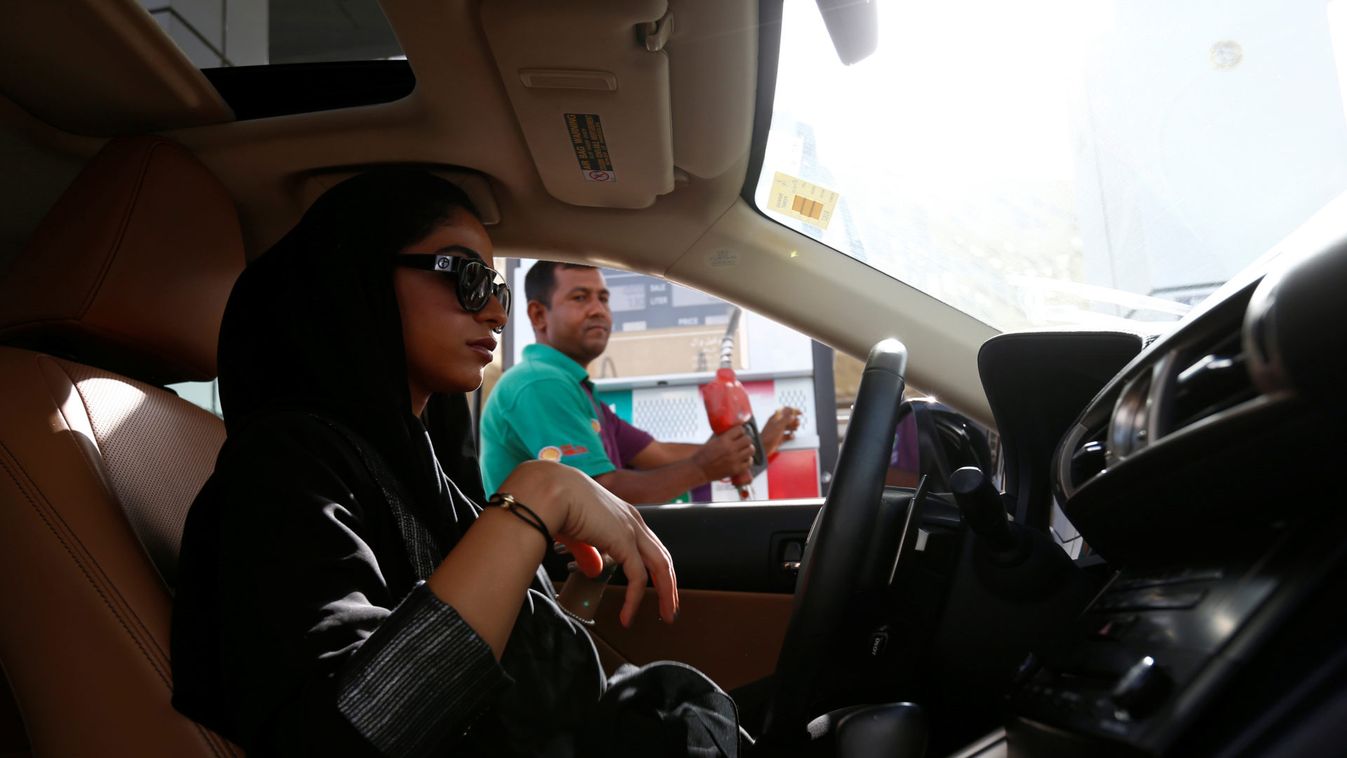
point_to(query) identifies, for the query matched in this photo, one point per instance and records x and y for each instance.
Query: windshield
(1049, 162)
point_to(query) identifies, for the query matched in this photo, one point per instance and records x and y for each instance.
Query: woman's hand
(578, 509)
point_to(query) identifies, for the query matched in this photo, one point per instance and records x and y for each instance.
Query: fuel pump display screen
(645, 302)
(625, 298)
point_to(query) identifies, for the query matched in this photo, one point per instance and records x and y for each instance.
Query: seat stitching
(214, 741)
(123, 224)
(111, 585)
(59, 409)
(5, 462)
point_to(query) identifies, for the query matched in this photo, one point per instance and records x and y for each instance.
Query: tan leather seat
(127, 277)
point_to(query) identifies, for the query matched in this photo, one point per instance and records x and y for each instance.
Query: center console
(1206, 475)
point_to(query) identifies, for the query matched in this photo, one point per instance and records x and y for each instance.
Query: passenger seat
(119, 292)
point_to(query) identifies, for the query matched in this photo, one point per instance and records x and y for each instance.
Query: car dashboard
(1204, 477)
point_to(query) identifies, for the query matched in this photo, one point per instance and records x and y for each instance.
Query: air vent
(1215, 381)
(1083, 454)
(1129, 431)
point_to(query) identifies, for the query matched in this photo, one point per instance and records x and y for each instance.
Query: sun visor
(589, 82)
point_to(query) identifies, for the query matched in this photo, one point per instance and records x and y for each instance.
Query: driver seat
(119, 292)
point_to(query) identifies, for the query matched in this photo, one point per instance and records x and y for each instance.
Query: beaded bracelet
(524, 513)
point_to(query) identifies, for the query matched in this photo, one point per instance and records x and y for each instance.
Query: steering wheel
(835, 554)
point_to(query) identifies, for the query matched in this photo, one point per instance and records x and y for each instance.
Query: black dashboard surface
(1036, 383)
(1206, 473)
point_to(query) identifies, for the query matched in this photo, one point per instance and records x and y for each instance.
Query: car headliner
(113, 71)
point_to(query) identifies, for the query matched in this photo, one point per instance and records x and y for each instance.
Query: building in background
(215, 33)
(225, 33)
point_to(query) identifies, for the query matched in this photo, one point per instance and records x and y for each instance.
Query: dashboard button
(879, 642)
(1173, 600)
(1027, 668)
(1142, 689)
(1113, 628)
(1150, 600)
(1197, 575)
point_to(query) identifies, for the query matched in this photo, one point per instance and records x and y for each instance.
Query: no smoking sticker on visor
(591, 149)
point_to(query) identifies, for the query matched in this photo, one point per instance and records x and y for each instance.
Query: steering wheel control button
(1027, 668)
(879, 642)
(1141, 690)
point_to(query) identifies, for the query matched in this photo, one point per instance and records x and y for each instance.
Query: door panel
(732, 637)
(735, 594)
(734, 548)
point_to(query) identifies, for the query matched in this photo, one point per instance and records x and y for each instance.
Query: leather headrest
(130, 270)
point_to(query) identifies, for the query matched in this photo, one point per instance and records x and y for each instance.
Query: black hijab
(313, 324)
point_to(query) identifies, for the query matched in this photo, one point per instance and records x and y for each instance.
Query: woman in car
(337, 593)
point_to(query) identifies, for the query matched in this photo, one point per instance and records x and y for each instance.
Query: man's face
(578, 320)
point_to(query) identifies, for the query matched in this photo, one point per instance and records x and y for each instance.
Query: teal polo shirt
(539, 410)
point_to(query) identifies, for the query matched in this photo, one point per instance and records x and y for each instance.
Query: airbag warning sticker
(591, 149)
(802, 200)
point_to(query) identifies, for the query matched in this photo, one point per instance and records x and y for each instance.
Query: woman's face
(447, 347)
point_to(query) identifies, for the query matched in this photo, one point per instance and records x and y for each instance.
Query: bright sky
(965, 101)
(1022, 160)
(969, 64)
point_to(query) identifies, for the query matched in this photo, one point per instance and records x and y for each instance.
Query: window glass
(1078, 162)
(668, 340)
(203, 394)
(215, 33)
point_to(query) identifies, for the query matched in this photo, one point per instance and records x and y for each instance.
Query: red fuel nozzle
(727, 406)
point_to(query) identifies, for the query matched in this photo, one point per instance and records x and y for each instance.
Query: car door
(736, 559)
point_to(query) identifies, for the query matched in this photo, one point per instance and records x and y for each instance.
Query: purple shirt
(905, 453)
(621, 441)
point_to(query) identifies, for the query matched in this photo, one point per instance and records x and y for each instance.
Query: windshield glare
(1051, 162)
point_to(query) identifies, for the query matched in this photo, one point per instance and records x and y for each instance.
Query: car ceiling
(113, 71)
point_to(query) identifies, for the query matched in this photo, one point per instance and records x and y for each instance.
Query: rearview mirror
(853, 26)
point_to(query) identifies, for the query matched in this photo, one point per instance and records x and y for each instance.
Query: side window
(203, 394)
(961, 440)
(668, 340)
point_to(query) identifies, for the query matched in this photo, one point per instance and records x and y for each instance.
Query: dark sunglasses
(476, 283)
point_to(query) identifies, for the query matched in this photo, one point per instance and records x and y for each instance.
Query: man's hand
(780, 428)
(725, 455)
